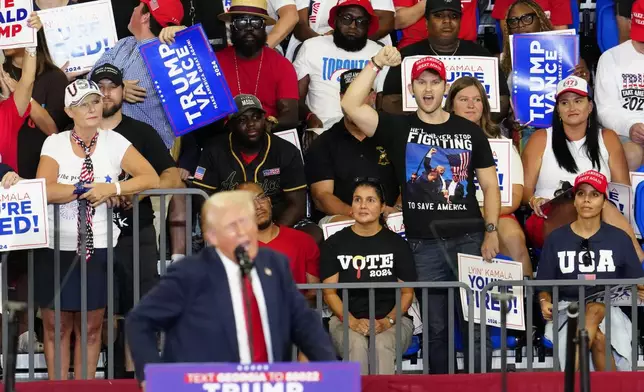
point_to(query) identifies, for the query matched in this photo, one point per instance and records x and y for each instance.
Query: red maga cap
(594, 179)
(165, 12)
(637, 21)
(428, 64)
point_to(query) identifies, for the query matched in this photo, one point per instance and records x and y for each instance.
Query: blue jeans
(437, 261)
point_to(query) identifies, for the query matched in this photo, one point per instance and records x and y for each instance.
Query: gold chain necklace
(454, 52)
(259, 71)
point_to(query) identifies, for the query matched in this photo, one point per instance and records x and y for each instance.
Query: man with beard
(248, 152)
(443, 25)
(251, 67)
(321, 61)
(142, 102)
(145, 139)
(300, 248)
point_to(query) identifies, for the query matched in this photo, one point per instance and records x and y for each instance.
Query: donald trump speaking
(232, 302)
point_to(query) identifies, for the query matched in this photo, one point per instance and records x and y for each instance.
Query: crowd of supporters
(332, 71)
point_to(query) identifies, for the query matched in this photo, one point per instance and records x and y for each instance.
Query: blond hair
(227, 200)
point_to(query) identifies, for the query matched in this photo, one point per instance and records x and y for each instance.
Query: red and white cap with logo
(573, 84)
(594, 179)
(428, 64)
(637, 21)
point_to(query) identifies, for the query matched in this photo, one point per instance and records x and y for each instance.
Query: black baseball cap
(346, 78)
(433, 6)
(110, 72)
(246, 102)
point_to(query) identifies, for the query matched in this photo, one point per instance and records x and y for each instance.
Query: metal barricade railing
(31, 306)
(424, 287)
(581, 298)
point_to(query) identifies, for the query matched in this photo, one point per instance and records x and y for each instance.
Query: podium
(274, 377)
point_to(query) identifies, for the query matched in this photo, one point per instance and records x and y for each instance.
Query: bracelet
(541, 300)
(375, 64)
(118, 188)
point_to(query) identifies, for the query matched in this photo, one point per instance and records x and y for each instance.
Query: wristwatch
(490, 228)
(391, 321)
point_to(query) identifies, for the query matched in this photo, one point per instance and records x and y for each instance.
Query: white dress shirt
(233, 272)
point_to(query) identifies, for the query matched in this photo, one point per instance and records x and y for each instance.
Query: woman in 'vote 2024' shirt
(589, 249)
(82, 165)
(368, 251)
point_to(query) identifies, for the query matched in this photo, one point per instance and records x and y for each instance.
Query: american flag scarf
(86, 177)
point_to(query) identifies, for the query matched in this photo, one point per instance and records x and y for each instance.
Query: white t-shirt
(324, 63)
(619, 88)
(319, 18)
(107, 157)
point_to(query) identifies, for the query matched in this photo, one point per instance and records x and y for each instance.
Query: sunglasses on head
(525, 19)
(348, 20)
(245, 22)
(565, 187)
(585, 258)
(372, 181)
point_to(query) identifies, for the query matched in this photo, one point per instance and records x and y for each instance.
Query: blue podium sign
(539, 62)
(276, 377)
(188, 80)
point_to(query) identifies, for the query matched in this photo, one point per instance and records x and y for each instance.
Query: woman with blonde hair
(467, 98)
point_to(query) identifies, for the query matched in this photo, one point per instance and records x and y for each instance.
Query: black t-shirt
(49, 92)
(384, 257)
(612, 253)
(337, 155)
(466, 48)
(278, 168)
(206, 12)
(148, 142)
(427, 158)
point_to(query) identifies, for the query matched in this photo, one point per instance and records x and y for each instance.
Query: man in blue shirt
(142, 102)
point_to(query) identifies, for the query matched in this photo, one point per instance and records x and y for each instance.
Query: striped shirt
(126, 56)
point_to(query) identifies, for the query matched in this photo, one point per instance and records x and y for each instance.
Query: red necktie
(256, 336)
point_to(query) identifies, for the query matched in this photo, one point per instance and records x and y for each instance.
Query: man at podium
(232, 302)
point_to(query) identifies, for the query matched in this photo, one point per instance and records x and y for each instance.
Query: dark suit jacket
(192, 305)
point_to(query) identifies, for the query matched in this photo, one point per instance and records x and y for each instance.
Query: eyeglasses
(585, 247)
(348, 20)
(244, 23)
(565, 187)
(525, 19)
(374, 181)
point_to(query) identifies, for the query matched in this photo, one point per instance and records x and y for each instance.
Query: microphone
(244, 260)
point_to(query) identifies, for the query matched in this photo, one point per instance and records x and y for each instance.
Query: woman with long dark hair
(467, 98)
(555, 156)
(368, 251)
(47, 108)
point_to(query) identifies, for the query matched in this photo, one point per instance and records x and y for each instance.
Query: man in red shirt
(410, 18)
(299, 247)
(251, 67)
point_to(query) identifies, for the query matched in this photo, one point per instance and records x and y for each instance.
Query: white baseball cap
(76, 91)
(573, 84)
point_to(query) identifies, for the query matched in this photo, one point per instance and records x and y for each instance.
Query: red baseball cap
(594, 179)
(428, 64)
(366, 4)
(637, 21)
(165, 12)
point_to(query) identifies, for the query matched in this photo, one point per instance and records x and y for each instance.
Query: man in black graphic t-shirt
(438, 228)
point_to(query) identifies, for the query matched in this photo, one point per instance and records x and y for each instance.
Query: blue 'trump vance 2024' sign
(188, 80)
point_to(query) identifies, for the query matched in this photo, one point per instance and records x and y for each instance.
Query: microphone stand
(571, 344)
